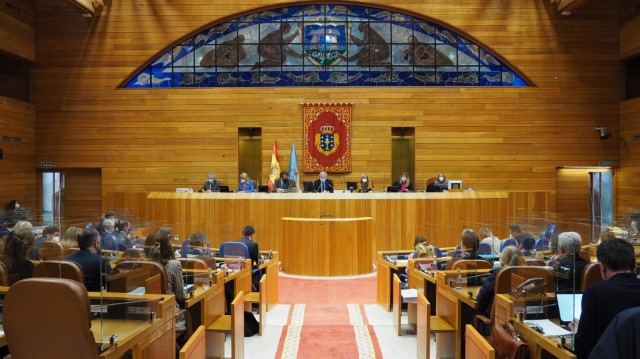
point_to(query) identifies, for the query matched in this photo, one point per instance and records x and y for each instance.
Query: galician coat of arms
(325, 44)
(327, 142)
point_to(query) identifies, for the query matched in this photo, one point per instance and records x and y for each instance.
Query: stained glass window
(326, 45)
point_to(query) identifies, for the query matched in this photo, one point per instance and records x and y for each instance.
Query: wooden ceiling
(566, 7)
(87, 7)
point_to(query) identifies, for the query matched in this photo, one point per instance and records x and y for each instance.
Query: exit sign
(47, 164)
(607, 163)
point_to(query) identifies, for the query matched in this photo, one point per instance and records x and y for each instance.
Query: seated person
(282, 184)
(441, 182)
(468, 251)
(603, 301)
(493, 241)
(124, 239)
(404, 184)
(70, 237)
(569, 260)
(526, 243)
(365, 184)
(18, 245)
(323, 184)
(211, 185)
(422, 248)
(510, 256)
(246, 184)
(49, 233)
(196, 246)
(108, 240)
(93, 266)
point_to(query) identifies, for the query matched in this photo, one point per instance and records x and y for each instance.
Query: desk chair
(508, 242)
(590, 276)
(484, 248)
(463, 264)
(236, 250)
(59, 269)
(128, 275)
(51, 250)
(438, 252)
(45, 317)
(4, 277)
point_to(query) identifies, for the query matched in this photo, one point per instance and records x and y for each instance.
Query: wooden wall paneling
(628, 175)
(83, 195)
(17, 28)
(630, 38)
(17, 168)
(573, 203)
(492, 138)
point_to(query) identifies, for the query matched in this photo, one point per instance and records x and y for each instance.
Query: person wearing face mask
(365, 185)
(441, 182)
(323, 184)
(212, 185)
(13, 212)
(404, 184)
(49, 233)
(246, 184)
(282, 184)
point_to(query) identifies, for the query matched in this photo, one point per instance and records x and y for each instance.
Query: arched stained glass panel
(326, 45)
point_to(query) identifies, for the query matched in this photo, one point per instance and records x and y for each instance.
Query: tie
(322, 189)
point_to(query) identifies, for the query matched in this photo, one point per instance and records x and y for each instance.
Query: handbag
(507, 342)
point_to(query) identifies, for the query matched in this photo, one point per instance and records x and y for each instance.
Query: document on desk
(549, 328)
(410, 295)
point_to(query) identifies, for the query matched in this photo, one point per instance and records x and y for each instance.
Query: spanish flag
(275, 166)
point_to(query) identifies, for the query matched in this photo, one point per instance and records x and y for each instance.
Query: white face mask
(441, 179)
(56, 238)
(242, 180)
(364, 180)
(403, 179)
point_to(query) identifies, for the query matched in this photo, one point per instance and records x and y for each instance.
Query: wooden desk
(272, 271)
(384, 276)
(539, 345)
(144, 338)
(424, 283)
(395, 215)
(326, 246)
(457, 309)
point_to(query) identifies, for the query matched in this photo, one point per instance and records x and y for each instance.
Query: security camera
(603, 132)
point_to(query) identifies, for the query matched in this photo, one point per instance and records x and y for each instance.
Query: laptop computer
(224, 189)
(263, 189)
(393, 189)
(569, 306)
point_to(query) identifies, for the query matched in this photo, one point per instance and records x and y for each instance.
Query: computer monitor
(307, 187)
(224, 188)
(352, 186)
(393, 189)
(433, 188)
(455, 184)
(264, 189)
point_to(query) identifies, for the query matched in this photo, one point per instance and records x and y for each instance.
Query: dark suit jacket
(409, 187)
(576, 266)
(328, 185)
(282, 185)
(620, 339)
(215, 186)
(93, 267)
(254, 252)
(600, 304)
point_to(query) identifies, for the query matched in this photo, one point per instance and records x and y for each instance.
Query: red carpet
(322, 324)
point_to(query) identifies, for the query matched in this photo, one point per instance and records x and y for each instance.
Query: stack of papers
(409, 295)
(548, 328)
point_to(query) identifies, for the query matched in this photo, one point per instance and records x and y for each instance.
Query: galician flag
(293, 166)
(275, 166)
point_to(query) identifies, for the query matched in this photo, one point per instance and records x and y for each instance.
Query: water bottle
(270, 255)
(210, 277)
(459, 280)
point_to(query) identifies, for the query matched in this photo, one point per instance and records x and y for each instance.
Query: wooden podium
(326, 246)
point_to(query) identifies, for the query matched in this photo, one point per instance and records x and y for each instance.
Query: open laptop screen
(569, 306)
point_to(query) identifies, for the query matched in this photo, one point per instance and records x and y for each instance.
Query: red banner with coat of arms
(327, 137)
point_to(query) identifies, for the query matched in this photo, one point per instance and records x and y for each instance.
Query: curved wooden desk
(326, 246)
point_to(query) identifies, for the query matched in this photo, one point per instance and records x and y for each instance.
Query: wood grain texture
(17, 28)
(509, 139)
(628, 175)
(17, 170)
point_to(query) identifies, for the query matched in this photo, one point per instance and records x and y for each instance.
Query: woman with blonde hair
(404, 184)
(70, 237)
(422, 248)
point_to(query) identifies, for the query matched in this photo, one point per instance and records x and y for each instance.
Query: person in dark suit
(254, 253)
(108, 240)
(569, 244)
(212, 184)
(404, 184)
(93, 266)
(282, 184)
(323, 184)
(603, 301)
